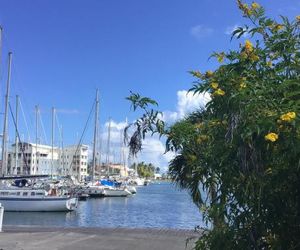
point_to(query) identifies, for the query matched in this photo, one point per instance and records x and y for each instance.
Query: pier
(54, 238)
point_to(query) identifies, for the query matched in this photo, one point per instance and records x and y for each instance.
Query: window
(18, 193)
(25, 193)
(32, 193)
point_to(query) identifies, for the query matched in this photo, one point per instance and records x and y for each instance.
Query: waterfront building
(32, 159)
(74, 161)
(38, 159)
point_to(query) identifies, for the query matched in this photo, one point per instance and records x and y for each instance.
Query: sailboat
(29, 198)
(93, 189)
(113, 191)
(26, 198)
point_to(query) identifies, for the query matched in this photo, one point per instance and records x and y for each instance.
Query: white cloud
(187, 102)
(200, 31)
(154, 152)
(115, 125)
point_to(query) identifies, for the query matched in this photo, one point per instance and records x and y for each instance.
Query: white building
(39, 159)
(74, 161)
(32, 159)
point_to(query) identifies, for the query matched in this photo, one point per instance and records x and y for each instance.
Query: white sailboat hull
(93, 191)
(46, 204)
(116, 192)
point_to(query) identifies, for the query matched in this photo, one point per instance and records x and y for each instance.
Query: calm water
(154, 206)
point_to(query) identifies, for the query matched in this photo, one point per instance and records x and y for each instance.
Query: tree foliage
(144, 170)
(244, 147)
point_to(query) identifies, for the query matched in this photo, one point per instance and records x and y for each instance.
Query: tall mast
(62, 151)
(36, 134)
(4, 138)
(52, 142)
(16, 135)
(108, 145)
(95, 135)
(1, 30)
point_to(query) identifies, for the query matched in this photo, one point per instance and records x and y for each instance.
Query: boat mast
(16, 135)
(123, 148)
(95, 135)
(62, 151)
(4, 138)
(108, 146)
(36, 134)
(52, 142)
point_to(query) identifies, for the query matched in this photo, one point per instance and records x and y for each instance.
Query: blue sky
(64, 49)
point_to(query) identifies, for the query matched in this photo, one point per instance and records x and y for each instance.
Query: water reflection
(155, 206)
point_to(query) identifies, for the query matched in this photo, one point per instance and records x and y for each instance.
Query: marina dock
(54, 238)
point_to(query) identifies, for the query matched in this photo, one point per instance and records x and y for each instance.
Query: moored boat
(35, 200)
(93, 191)
(116, 192)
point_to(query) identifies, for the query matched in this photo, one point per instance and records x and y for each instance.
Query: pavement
(42, 238)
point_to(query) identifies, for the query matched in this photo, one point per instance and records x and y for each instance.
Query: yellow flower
(248, 46)
(271, 137)
(245, 8)
(196, 73)
(269, 63)
(220, 57)
(278, 27)
(199, 125)
(219, 92)
(253, 57)
(244, 55)
(209, 74)
(214, 85)
(243, 85)
(288, 117)
(202, 138)
(255, 5)
(298, 18)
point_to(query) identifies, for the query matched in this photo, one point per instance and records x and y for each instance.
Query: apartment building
(38, 159)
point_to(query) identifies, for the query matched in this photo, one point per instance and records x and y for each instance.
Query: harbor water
(159, 205)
